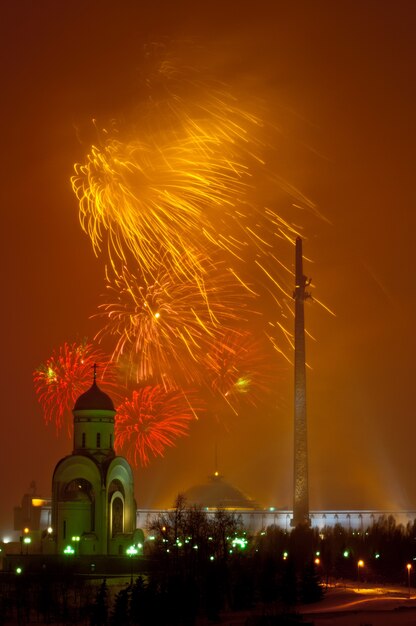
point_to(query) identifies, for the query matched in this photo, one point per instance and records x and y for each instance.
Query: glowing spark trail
(143, 193)
(182, 175)
(171, 198)
(164, 325)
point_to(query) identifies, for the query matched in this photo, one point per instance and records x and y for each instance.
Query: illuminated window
(98, 440)
(83, 440)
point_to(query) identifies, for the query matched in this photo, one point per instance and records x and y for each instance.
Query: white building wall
(256, 521)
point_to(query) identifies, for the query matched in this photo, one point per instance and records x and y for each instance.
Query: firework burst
(185, 178)
(164, 325)
(151, 421)
(176, 197)
(66, 375)
(180, 171)
(134, 194)
(238, 368)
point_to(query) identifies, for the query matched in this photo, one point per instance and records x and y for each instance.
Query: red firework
(239, 368)
(65, 376)
(152, 420)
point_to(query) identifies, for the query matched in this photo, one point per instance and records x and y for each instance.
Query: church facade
(93, 505)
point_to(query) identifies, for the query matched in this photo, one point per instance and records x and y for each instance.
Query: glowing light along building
(300, 484)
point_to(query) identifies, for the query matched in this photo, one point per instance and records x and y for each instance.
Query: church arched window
(78, 489)
(114, 486)
(117, 516)
(81, 492)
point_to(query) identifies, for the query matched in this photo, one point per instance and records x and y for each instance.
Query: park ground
(347, 605)
(344, 604)
(369, 605)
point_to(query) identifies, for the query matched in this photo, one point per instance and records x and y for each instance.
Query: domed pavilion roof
(217, 493)
(94, 399)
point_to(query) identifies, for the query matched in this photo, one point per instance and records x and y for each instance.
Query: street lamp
(360, 564)
(132, 551)
(409, 569)
(27, 541)
(23, 539)
(76, 540)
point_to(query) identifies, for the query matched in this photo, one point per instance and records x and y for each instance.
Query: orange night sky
(335, 81)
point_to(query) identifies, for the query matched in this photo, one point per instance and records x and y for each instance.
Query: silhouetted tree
(214, 590)
(242, 583)
(45, 596)
(100, 608)
(138, 602)
(288, 584)
(268, 580)
(311, 589)
(302, 544)
(120, 615)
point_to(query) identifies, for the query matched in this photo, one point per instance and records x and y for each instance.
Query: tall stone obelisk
(300, 486)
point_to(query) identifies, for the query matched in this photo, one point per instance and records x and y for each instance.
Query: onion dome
(94, 400)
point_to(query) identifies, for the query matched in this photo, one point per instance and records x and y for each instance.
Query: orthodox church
(93, 506)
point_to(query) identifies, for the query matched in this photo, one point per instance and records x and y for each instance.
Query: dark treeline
(385, 549)
(203, 564)
(45, 597)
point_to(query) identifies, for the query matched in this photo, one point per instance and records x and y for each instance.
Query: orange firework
(180, 189)
(67, 374)
(185, 175)
(151, 421)
(144, 195)
(164, 324)
(177, 174)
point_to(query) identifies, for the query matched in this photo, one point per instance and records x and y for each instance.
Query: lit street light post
(132, 552)
(409, 569)
(76, 540)
(23, 540)
(27, 541)
(360, 565)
